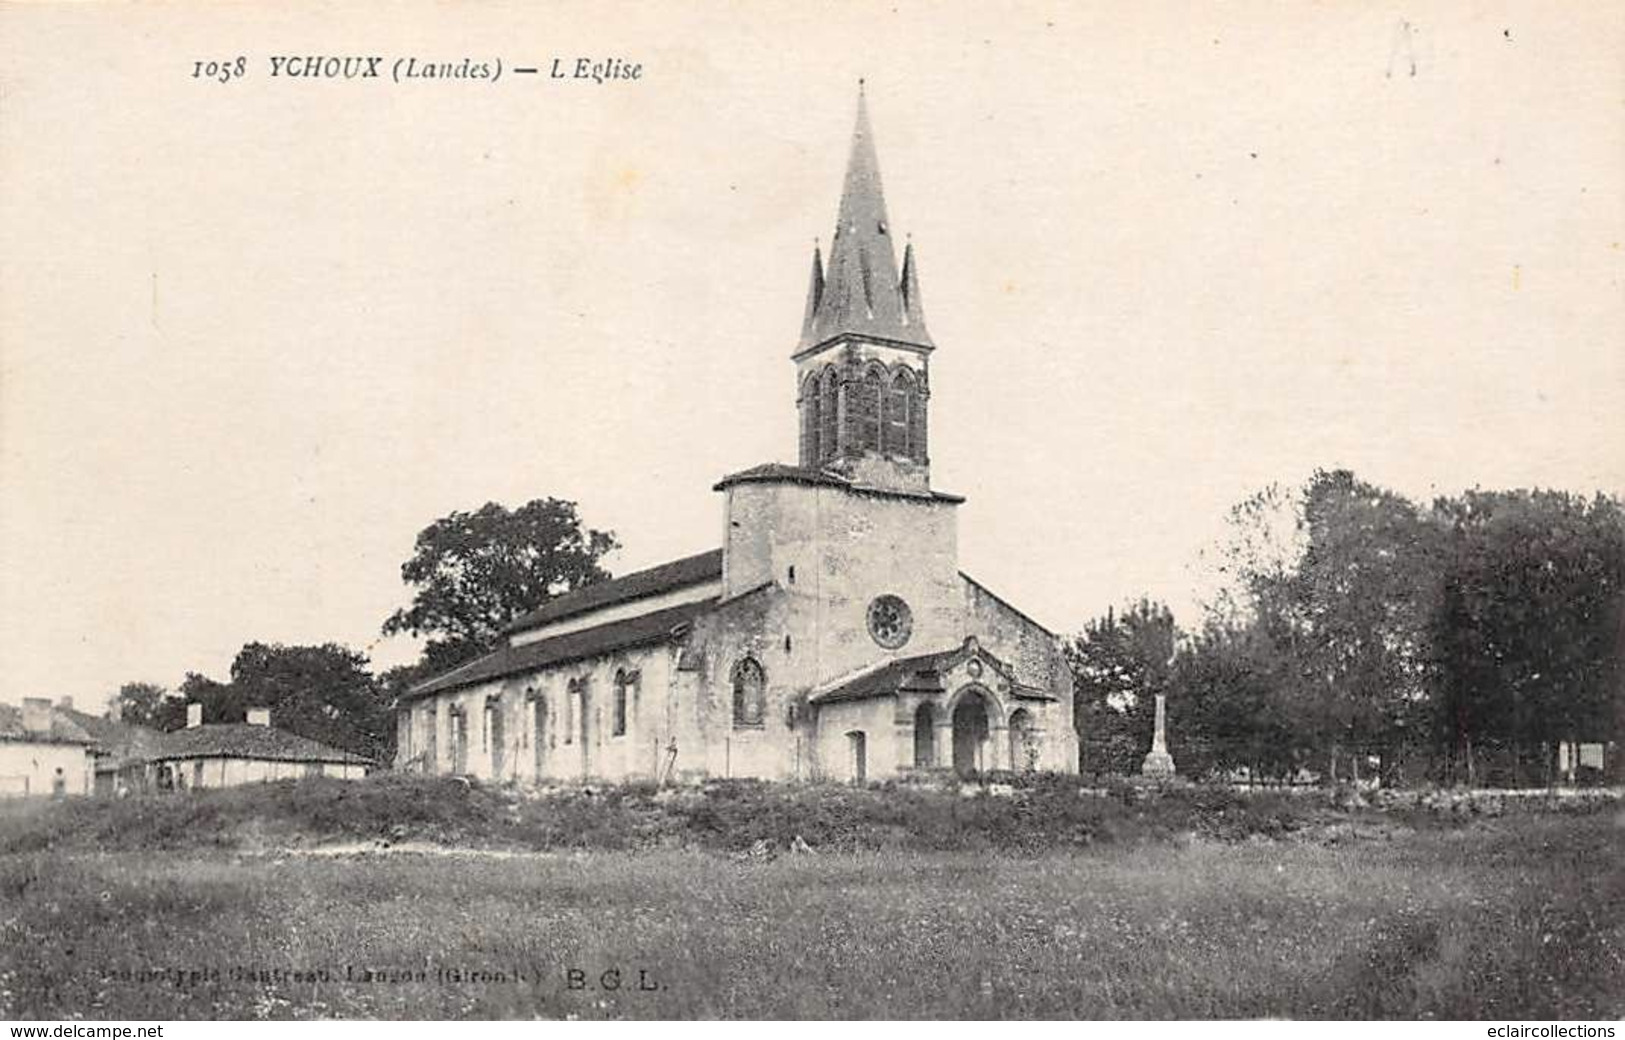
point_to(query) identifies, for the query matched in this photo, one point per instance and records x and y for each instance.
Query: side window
(625, 683)
(829, 410)
(750, 692)
(899, 405)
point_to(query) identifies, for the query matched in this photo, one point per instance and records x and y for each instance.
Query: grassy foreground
(1513, 917)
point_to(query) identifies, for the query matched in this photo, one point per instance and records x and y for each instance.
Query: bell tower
(862, 367)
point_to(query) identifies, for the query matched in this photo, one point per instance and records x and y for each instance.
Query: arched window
(572, 690)
(459, 739)
(624, 682)
(864, 406)
(750, 692)
(1023, 750)
(431, 738)
(538, 731)
(829, 412)
(809, 420)
(494, 736)
(899, 407)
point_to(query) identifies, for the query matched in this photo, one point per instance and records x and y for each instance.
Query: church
(832, 636)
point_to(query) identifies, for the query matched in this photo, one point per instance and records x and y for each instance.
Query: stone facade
(832, 637)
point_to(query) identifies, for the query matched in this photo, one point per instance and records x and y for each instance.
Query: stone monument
(1159, 763)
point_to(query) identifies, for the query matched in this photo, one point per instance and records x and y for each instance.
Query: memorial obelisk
(1159, 763)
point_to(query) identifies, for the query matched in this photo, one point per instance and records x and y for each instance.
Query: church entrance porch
(970, 729)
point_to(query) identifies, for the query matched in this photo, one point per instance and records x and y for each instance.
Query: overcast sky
(255, 335)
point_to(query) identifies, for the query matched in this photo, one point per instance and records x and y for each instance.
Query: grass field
(1516, 917)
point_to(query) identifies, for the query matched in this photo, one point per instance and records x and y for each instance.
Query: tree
(1119, 663)
(321, 692)
(1326, 599)
(474, 573)
(1528, 632)
(219, 700)
(140, 703)
(1228, 682)
(1362, 591)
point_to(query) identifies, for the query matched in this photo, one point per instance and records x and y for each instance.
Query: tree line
(1356, 633)
(1359, 634)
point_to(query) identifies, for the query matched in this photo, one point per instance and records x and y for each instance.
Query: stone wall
(554, 724)
(234, 772)
(833, 551)
(885, 750)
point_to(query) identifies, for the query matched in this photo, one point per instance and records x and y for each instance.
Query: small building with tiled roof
(43, 751)
(234, 753)
(124, 752)
(832, 636)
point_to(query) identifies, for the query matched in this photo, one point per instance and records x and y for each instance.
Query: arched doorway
(1022, 757)
(925, 737)
(970, 734)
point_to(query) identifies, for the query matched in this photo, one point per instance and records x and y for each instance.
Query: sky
(254, 335)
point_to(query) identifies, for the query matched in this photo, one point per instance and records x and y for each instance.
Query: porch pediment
(930, 674)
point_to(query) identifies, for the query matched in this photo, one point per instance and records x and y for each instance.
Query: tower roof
(860, 291)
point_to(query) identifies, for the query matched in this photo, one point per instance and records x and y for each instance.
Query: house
(230, 754)
(832, 636)
(124, 752)
(43, 751)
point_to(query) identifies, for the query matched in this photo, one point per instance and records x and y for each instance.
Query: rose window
(890, 622)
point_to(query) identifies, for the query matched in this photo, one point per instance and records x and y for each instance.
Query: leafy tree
(220, 701)
(1362, 593)
(322, 692)
(1119, 663)
(140, 703)
(1256, 565)
(1229, 682)
(474, 573)
(1528, 632)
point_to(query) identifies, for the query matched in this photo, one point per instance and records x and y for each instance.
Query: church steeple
(862, 365)
(862, 293)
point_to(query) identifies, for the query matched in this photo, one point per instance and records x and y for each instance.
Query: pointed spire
(863, 292)
(913, 313)
(815, 292)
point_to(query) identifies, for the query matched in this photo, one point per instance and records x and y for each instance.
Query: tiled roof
(654, 627)
(122, 742)
(774, 472)
(922, 673)
(690, 570)
(241, 740)
(64, 730)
